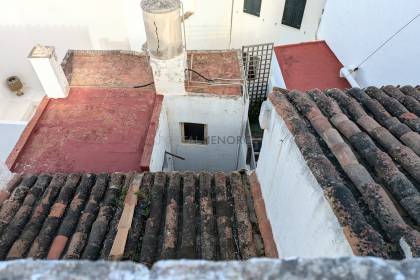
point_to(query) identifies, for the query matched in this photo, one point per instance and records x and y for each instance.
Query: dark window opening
(253, 66)
(194, 133)
(252, 7)
(293, 13)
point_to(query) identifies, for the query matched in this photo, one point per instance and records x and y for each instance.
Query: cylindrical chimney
(162, 21)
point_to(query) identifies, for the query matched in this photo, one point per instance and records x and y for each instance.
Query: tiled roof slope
(365, 157)
(177, 215)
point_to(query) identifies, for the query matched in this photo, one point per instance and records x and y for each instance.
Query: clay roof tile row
(374, 149)
(173, 215)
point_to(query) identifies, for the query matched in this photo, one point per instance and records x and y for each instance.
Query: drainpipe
(346, 73)
(231, 24)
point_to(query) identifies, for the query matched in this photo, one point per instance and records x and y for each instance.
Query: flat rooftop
(222, 66)
(310, 65)
(102, 126)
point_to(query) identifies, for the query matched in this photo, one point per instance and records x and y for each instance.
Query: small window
(252, 7)
(293, 13)
(194, 133)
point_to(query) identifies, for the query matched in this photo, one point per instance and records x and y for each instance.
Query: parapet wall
(341, 268)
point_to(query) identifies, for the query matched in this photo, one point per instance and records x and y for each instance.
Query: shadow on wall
(10, 134)
(17, 42)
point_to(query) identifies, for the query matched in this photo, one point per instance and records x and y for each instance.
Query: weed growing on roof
(121, 198)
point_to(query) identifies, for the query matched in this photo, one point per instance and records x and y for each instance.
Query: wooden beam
(124, 225)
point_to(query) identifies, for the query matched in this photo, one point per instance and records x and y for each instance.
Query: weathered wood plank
(130, 202)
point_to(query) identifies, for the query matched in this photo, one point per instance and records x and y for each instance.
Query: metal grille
(257, 64)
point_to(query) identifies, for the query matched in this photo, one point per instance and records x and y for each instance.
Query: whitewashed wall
(209, 26)
(10, 133)
(302, 220)
(224, 118)
(276, 76)
(162, 143)
(249, 29)
(355, 28)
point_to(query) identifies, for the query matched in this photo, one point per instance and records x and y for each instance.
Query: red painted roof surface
(92, 130)
(104, 125)
(310, 65)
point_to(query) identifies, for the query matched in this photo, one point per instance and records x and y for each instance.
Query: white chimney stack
(49, 71)
(162, 21)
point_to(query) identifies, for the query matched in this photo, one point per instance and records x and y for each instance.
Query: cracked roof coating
(363, 148)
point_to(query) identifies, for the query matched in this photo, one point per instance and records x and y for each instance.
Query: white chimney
(162, 21)
(49, 71)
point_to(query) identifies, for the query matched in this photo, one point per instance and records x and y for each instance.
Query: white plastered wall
(10, 133)
(249, 29)
(276, 76)
(224, 117)
(161, 145)
(354, 29)
(302, 220)
(210, 25)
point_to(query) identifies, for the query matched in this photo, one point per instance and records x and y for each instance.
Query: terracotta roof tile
(399, 152)
(10, 187)
(12, 205)
(224, 223)
(368, 123)
(384, 118)
(41, 243)
(176, 215)
(408, 101)
(22, 216)
(364, 239)
(411, 91)
(412, 140)
(377, 178)
(40, 212)
(395, 108)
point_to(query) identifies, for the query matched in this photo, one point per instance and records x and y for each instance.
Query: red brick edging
(151, 134)
(263, 222)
